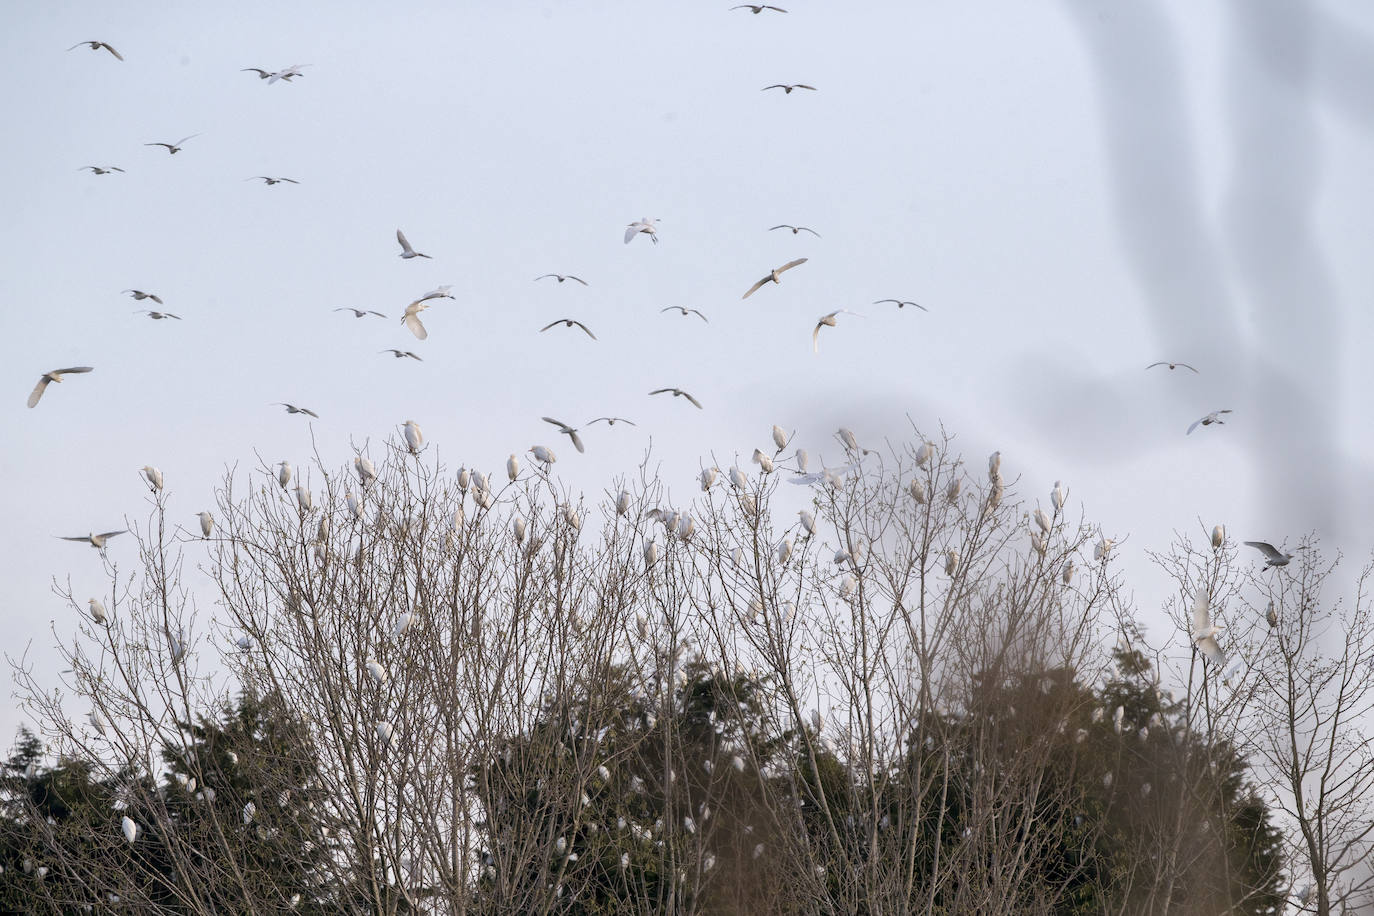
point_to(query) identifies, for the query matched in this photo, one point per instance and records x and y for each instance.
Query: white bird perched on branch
(737, 478)
(1218, 537)
(779, 437)
(918, 492)
(153, 475)
(762, 460)
(622, 502)
(367, 471)
(98, 613)
(808, 522)
(994, 465)
(784, 551)
(284, 473)
(207, 523)
(708, 478)
(249, 811)
(97, 722)
(1058, 496)
(543, 454)
(924, 453)
(386, 733)
(1204, 631)
(645, 225)
(414, 438)
(304, 499)
(375, 670)
(650, 553)
(1103, 548)
(1118, 719)
(402, 624)
(951, 562)
(129, 828)
(1272, 556)
(1042, 520)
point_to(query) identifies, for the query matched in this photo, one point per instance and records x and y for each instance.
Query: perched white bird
(827, 321)
(677, 393)
(808, 522)
(411, 319)
(1067, 575)
(97, 722)
(53, 376)
(952, 491)
(924, 453)
(1272, 556)
(650, 553)
(803, 460)
(708, 477)
(402, 624)
(1103, 548)
(569, 431)
(1204, 631)
(518, 529)
(622, 503)
(784, 551)
(406, 251)
(249, 811)
(292, 408)
(304, 499)
(1058, 496)
(176, 644)
(1218, 536)
(98, 612)
(571, 516)
(284, 473)
(779, 437)
(543, 454)
(129, 828)
(153, 475)
(1271, 616)
(244, 642)
(95, 540)
(386, 733)
(207, 523)
(96, 46)
(763, 461)
(918, 492)
(645, 225)
(414, 438)
(375, 670)
(1118, 718)
(1042, 520)
(737, 478)
(685, 526)
(367, 471)
(1213, 417)
(773, 276)
(951, 562)
(994, 465)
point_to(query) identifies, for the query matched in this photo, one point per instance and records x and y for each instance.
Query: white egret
(737, 478)
(803, 460)
(708, 477)
(304, 499)
(808, 522)
(153, 475)
(779, 437)
(411, 319)
(773, 276)
(518, 529)
(1218, 537)
(464, 479)
(1171, 366)
(757, 8)
(414, 438)
(543, 454)
(994, 494)
(902, 303)
(994, 465)
(847, 585)
(677, 393)
(923, 453)
(788, 87)
(244, 642)
(918, 492)
(271, 181)
(406, 251)
(101, 171)
(375, 670)
(1118, 719)
(684, 311)
(173, 148)
(284, 473)
(1205, 631)
(795, 229)
(97, 722)
(560, 278)
(401, 354)
(1213, 417)
(129, 828)
(176, 645)
(1038, 543)
(1271, 616)
(359, 313)
(288, 74)
(685, 526)
(645, 225)
(1042, 520)
(569, 323)
(96, 540)
(784, 551)
(402, 624)
(158, 316)
(1103, 548)
(762, 460)
(98, 612)
(951, 561)
(53, 376)
(572, 517)
(386, 733)
(355, 508)
(207, 523)
(1067, 573)
(622, 503)
(952, 491)
(1272, 555)
(650, 553)
(292, 408)
(571, 432)
(827, 321)
(560, 845)
(611, 421)
(1058, 496)
(139, 295)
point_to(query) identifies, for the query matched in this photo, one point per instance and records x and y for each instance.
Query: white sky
(1074, 189)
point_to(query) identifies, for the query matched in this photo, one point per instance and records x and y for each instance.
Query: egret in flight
(411, 319)
(568, 323)
(648, 226)
(139, 295)
(677, 393)
(788, 87)
(95, 540)
(53, 376)
(827, 321)
(568, 431)
(1213, 417)
(96, 46)
(268, 74)
(757, 8)
(158, 316)
(773, 276)
(401, 354)
(1272, 556)
(406, 251)
(292, 408)
(902, 303)
(795, 229)
(271, 181)
(174, 148)
(1204, 631)
(560, 278)
(1171, 366)
(360, 313)
(99, 170)
(611, 421)
(684, 311)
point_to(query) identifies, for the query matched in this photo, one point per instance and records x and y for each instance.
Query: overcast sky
(1074, 189)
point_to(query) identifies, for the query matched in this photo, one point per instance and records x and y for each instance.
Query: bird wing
(585, 328)
(631, 231)
(753, 289)
(413, 356)
(780, 225)
(550, 324)
(699, 315)
(661, 391)
(804, 228)
(1202, 620)
(169, 315)
(168, 145)
(107, 47)
(576, 440)
(405, 246)
(562, 427)
(578, 279)
(309, 413)
(694, 401)
(80, 43)
(544, 277)
(289, 180)
(412, 321)
(816, 338)
(184, 139)
(1265, 548)
(72, 371)
(370, 312)
(1212, 651)
(38, 390)
(791, 264)
(86, 538)
(774, 86)
(262, 74)
(1184, 365)
(1194, 426)
(110, 534)
(804, 86)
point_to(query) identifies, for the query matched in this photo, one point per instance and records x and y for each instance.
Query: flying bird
(645, 225)
(292, 408)
(139, 295)
(271, 181)
(439, 292)
(411, 319)
(96, 46)
(757, 8)
(95, 540)
(902, 303)
(265, 74)
(1170, 365)
(684, 311)
(406, 251)
(360, 313)
(174, 148)
(795, 229)
(560, 278)
(568, 323)
(611, 421)
(53, 376)
(788, 87)
(678, 393)
(158, 316)
(1272, 556)
(400, 354)
(1204, 631)
(827, 321)
(101, 171)
(773, 276)
(287, 74)
(1213, 417)
(568, 431)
